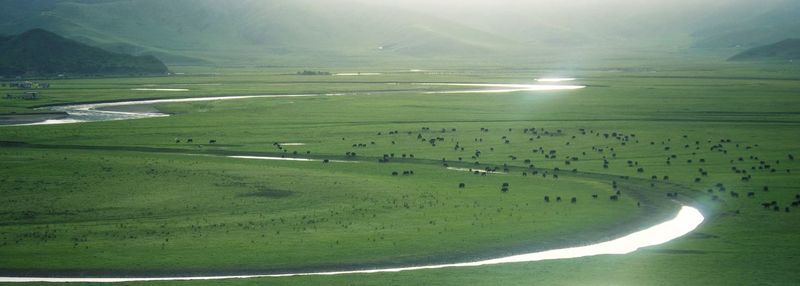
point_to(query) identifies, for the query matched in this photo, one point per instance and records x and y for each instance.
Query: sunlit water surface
(91, 112)
(687, 219)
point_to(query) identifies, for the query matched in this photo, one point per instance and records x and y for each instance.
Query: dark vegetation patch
(678, 251)
(265, 192)
(701, 235)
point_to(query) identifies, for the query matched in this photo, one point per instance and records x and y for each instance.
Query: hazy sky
(630, 17)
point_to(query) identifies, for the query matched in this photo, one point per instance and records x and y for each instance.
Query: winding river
(108, 111)
(686, 220)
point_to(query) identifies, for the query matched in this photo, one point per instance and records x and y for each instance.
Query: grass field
(124, 198)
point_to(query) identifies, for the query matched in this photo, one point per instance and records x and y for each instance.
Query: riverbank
(30, 118)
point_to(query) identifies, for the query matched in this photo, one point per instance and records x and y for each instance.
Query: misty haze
(376, 142)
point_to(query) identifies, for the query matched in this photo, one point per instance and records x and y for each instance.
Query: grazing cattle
(614, 198)
(734, 194)
(776, 208)
(594, 196)
(461, 185)
(558, 199)
(326, 161)
(177, 140)
(190, 140)
(574, 200)
(212, 141)
(751, 194)
(546, 199)
(394, 174)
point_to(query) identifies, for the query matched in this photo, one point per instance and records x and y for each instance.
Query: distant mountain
(39, 52)
(363, 32)
(788, 49)
(749, 26)
(246, 31)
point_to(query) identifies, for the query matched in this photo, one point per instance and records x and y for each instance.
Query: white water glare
(555, 79)
(687, 219)
(286, 159)
(501, 88)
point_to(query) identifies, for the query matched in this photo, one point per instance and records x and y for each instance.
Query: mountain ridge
(788, 49)
(38, 52)
(292, 32)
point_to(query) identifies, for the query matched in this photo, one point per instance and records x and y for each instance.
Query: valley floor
(162, 196)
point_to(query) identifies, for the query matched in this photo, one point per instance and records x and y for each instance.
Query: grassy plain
(125, 198)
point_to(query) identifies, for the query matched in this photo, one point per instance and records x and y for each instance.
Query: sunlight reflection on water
(687, 219)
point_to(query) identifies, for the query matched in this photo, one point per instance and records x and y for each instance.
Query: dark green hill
(191, 32)
(38, 52)
(788, 49)
(362, 32)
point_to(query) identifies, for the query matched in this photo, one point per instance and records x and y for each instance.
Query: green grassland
(125, 198)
